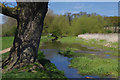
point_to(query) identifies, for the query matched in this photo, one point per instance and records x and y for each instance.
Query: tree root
(12, 64)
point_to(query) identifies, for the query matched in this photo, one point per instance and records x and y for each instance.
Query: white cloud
(78, 7)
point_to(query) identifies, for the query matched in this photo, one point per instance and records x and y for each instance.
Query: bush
(85, 24)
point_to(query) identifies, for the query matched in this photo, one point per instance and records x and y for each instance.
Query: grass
(91, 43)
(88, 64)
(96, 66)
(50, 70)
(8, 41)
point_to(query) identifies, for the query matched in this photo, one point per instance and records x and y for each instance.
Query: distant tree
(59, 26)
(48, 20)
(113, 22)
(85, 24)
(69, 16)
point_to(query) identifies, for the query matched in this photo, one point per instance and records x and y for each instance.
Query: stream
(51, 52)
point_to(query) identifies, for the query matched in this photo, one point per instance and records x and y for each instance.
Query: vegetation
(7, 42)
(91, 64)
(96, 66)
(85, 24)
(49, 71)
(75, 24)
(112, 22)
(69, 24)
(67, 27)
(91, 43)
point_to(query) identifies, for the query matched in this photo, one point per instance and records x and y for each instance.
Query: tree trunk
(27, 38)
(115, 31)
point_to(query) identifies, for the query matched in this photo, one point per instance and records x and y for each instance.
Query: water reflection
(51, 51)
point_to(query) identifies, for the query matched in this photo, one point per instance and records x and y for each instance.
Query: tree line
(74, 24)
(70, 24)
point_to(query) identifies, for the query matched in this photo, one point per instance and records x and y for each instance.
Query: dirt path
(5, 50)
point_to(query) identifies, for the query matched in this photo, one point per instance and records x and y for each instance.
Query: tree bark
(27, 38)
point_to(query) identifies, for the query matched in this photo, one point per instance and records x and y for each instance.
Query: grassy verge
(88, 64)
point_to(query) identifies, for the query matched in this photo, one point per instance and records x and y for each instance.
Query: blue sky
(102, 8)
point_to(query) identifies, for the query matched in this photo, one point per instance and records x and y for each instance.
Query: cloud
(78, 7)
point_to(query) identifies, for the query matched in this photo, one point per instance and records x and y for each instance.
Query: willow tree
(30, 17)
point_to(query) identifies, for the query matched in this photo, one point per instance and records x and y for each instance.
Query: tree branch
(11, 12)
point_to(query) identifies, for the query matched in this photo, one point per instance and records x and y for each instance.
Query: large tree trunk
(28, 34)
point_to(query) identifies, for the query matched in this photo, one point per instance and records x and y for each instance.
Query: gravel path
(108, 37)
(5, 50)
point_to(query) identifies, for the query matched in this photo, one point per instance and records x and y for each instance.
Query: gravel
(112, 37)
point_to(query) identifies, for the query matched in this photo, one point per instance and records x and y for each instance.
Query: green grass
(69, 52)
(95, 66)
(8, 41)
(91, 43)
(49, 71)
(88, 64)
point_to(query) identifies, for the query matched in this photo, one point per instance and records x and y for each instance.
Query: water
(58, 45)
(51, 52)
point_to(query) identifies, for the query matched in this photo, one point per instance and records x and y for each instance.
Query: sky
(101, 8)
(63, 0)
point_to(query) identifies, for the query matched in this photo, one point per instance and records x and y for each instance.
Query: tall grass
(96, 66)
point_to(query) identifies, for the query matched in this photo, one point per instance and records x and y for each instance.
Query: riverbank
(50, 71)
(105, 67)
(86, 64)
(93, 43)
(92, 63)
(89, 64)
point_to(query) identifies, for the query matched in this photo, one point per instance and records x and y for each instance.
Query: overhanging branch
(11, 12)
